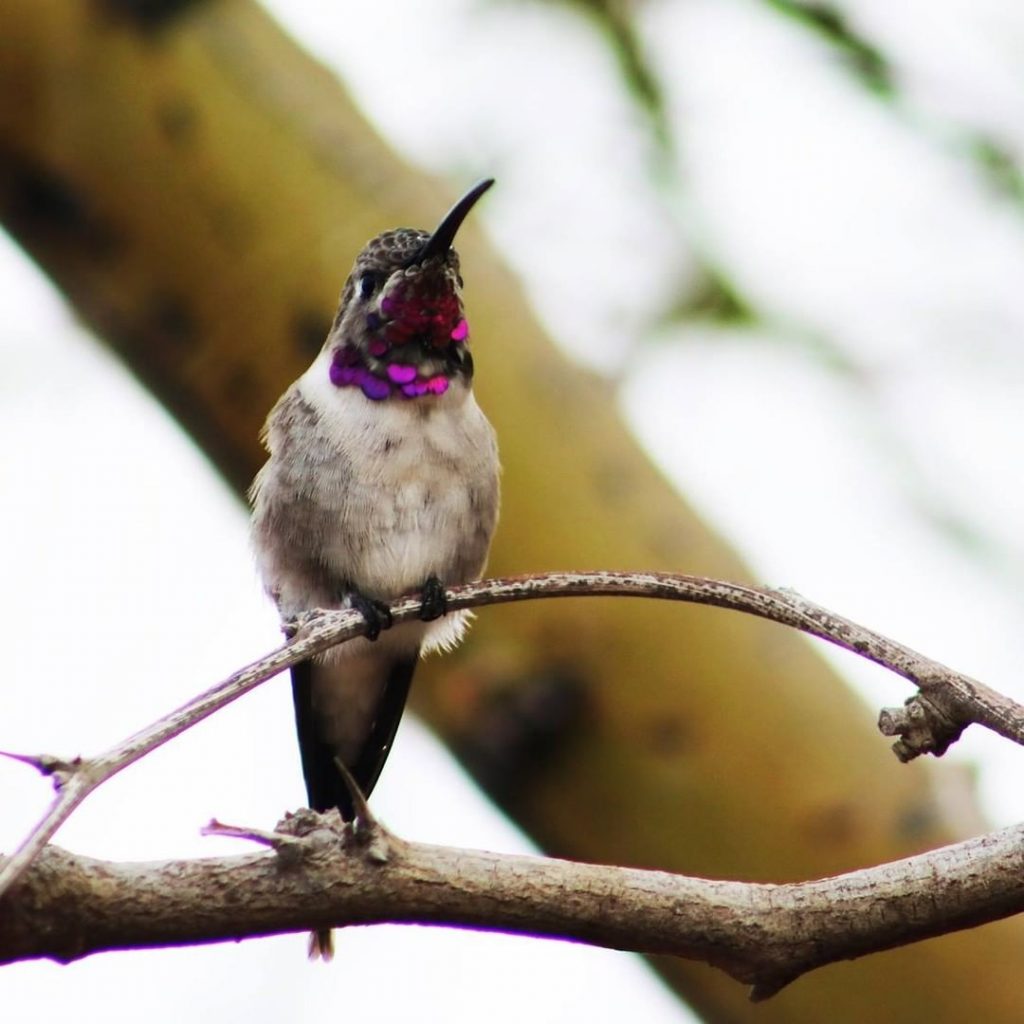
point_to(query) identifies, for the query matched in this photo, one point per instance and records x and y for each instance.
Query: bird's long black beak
(444, 234)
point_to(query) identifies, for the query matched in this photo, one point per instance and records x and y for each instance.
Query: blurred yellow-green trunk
(198, 187)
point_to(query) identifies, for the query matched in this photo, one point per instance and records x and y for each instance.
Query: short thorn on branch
(924, 727)
(275, 840)
(47, 764)
(368, 831)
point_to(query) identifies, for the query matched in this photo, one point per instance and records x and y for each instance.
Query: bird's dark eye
(368, 283)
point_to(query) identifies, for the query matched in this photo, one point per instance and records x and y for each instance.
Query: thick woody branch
(962, 699)
(320, 875)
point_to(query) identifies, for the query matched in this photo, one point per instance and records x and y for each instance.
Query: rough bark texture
(325, 875)
(198, 187)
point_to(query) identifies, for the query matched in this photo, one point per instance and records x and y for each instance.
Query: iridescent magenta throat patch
(423, 309)
(422, 312)
(347, 370)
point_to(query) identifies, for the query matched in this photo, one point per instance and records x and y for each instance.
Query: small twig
(275, 840)
(966, 699)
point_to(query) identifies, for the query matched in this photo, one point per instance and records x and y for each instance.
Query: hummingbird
(382, 482)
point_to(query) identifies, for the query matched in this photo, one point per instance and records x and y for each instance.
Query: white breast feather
(415, 496)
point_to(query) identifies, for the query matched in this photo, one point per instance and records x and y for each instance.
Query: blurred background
(783, 241)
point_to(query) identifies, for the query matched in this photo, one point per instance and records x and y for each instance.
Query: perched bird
(382, 481)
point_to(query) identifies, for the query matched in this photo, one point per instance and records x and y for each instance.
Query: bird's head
(401, 331)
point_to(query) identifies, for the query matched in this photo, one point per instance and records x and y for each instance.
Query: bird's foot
(434, 599)
(295, 625)
(376, 613)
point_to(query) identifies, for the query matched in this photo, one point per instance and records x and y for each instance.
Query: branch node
(923, 725)
(326, 829)
(375, 841)
(370, 835)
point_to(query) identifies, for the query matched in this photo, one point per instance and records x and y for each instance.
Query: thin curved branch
(323, 874)
(963, 699)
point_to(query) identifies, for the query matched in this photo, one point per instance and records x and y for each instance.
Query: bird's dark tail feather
(325, 786)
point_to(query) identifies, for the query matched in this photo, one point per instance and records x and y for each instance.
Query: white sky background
(842, 219)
